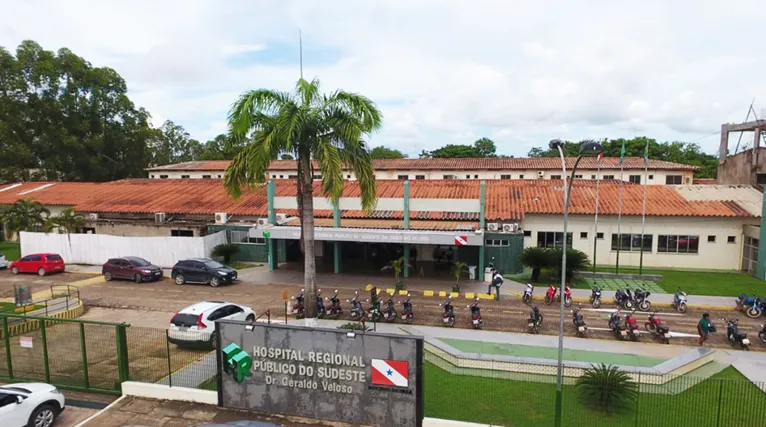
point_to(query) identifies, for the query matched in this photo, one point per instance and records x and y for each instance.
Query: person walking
(704, 327)
(497, 281)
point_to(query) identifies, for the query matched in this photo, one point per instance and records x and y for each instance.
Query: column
(336, 246)
(406, 226)
(480, 267)
(760, 270)
(271, 244)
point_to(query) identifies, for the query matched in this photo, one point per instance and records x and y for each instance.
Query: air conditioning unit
(159, 218)
(493, 226)
(541, 174)
(262, 222)
(221, 218)
(281, 218)
(510, 228)
(93, 217)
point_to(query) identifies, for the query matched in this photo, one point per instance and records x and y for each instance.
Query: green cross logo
(237, 363)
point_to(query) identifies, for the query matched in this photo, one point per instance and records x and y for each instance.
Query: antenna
(300, 45)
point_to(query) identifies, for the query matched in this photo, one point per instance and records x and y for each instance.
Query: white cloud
(442, 71)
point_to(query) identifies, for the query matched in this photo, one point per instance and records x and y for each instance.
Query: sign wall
(458, 238)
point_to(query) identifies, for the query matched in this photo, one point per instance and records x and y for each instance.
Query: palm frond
(358, 106)
(309, 92)
(251, 106)
(331, 164)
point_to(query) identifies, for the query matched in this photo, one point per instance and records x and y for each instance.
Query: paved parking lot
(36, 283)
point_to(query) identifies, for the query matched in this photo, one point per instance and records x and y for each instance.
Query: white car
(194, 326)
(30, 405)
(3, 262)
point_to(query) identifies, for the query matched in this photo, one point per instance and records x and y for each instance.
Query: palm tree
(537, 259)
(458, 270)
(24, 215)
(309, 125)
(606, 389)
(397, 266)
(66, 222)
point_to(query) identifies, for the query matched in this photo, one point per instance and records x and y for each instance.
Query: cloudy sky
(442, 71)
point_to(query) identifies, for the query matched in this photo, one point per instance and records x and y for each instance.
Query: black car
(131, 268)
(202, 270)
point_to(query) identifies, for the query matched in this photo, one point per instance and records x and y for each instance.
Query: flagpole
(619, 213)
(595, 224)
(643, 209)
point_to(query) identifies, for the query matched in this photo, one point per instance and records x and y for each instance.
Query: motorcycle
(320, 305)
(373, 313)
(657, 328)
(641, 298)
(623, 299)
(389, 314)
(679, 301)
(752, 306)
(616, 325)
(551, 294)
(735, 336)
(762, 334)
(527, 297)
(476, 320)
(298, 308)
(535, 320)
(579, 322)
(407, 310)
(595, 297)
(357, 311)
(631, 326)
(335, 308)
(449, 313)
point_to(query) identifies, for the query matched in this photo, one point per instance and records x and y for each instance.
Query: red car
(41, 264)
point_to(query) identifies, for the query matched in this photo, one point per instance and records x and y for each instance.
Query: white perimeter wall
(719, 255)
(95, 249)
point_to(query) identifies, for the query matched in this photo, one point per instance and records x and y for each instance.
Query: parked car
(3, 261)
(194, 325)
(131, 268)
(202, 270)
(30, 404)
(41, 264)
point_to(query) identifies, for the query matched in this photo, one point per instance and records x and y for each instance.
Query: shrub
(537, 259)
(354, 327)
(576, 261)
(226, 250)
(606, 389)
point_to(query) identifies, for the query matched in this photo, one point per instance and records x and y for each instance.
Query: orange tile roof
(47, 193)
(391, 224)
(499, 163)
(703, 181)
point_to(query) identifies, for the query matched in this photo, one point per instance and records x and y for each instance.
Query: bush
(226, 251)
(354, 327)
(537, 259)
(606, 389)
(576, 261)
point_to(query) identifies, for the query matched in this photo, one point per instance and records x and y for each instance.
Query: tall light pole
(587, 149)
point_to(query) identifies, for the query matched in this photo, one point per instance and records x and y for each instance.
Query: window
(243, 237)
(521, 176)
(635, 179)
(450, 177)
(583, 234)
(760, 178)
(673, 180)
(88, 230)
(348, 176)
(608, 177)
(420, 177)
(678, 244)
(403, 177)
(651, 177)
(750, 254)
(152, 176)
(206, 176)
(600, 236)
(182, 233)
(555, 176)
(551, 239)
(317, 176)
(292, 176)
(219, 176)
(185, 176)
(505, 177)
(593, 177)
(163, 177)
(731, 239)
(468, 177)
(496, 242)
(476, 177)
(273, 176)
(631, 242)
(527, 233)
(711, 239)
(578, 176)
(281, 176)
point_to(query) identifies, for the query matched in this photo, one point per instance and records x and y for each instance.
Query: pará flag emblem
(390, 373)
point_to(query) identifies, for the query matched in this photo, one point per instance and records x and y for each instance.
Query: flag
(392, 373)
(646, 152)
(600, 156)
(622, 152)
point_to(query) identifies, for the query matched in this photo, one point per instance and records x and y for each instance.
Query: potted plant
(458, 270)
(397, 266)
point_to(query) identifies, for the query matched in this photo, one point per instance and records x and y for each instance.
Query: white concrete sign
(377, 236)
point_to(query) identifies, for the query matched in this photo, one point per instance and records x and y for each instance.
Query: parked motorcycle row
(623, 298)
(752, 306)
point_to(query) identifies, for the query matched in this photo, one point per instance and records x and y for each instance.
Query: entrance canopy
(447, 238)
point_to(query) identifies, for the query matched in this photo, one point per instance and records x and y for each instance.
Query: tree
(172, 144)
(457, 271)
(485, 147)
(576, 261)
(287, 156)
(606, 389)
(537, 259)
(226, 251)
(382, 152)
(66, 222)
(24, 215)
(397, 266)
(310, 125)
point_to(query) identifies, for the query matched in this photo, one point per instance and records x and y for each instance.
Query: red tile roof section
(522, 163)
(393, 224)
(703, 181)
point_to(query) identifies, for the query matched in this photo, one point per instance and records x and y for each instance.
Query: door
(219, 313)
(197, 272)
(30, 263)
(11, 411)
(235, 313)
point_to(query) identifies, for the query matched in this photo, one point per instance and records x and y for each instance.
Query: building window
(273, 176)
(206, 176)
(555, 176)
(673, 180)
(651, 177)
(731, 239)
(420, 177)
(635, 179)
(750, 254)
(219, 176)
(468, 177)
(163, 177)
(152, 176)
(450, 176)
(292, 176)
(403, 177)
(476, 177)
(760, 178)
(243, 237)
(85, 230)
(593, 177)
(678, 244)
(184, 176)
(551, 239)
(496, 242)
(348, 176)
(521, 176)
(506, 176)
(631, 242)
(527, 233)
(583, 234)
(281, 176)
(608, 177)
(600, 236)
(317, 176)
(578, 176)
(182, 233)
(711, 239)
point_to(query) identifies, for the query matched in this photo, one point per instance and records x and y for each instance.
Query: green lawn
(9, 307)
(11, 250)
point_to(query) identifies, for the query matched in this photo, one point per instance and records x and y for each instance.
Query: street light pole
(586, 149)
